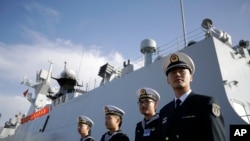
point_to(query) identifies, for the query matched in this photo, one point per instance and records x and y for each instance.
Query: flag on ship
(25, 93)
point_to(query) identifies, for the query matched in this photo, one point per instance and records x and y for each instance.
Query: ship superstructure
(222, 71)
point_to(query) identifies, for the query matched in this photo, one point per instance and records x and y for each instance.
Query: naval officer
(84, 128)
(190, 116)
(147, 129)
(113, 122)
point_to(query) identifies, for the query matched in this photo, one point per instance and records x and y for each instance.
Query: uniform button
(177, 136)
(166, 138)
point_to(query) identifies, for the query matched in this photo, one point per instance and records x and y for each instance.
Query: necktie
(177, 103)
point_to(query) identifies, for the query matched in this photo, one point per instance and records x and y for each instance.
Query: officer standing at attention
(113, 122)
(84, 128)
(147, 129)
(190, 116)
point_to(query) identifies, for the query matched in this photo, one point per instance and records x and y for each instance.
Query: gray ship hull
(216, 66)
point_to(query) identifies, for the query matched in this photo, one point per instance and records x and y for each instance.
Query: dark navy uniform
(117, 136)
(85, 120)
(197, 119)
(190, 117)
(147, 130)
(87, 138)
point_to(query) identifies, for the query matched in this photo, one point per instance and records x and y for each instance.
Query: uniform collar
(184, 96)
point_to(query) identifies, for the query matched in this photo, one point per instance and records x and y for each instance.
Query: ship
(222, 71)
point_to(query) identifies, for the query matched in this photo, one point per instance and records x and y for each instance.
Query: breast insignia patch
(164, 120)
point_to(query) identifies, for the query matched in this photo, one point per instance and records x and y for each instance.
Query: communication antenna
(183, 23)
(79, 69)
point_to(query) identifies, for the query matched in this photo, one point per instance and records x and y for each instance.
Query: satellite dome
(69, 74)
(51, 90)
(148, 45)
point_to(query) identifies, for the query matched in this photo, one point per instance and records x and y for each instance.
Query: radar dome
(69, 74)
(51, 90)
(148, 45)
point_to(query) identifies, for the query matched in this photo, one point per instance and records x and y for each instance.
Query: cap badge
(106, 109)
(81, 120)
(174, 58)
(143, 91)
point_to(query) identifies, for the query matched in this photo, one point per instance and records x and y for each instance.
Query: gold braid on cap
(108, 111)
(144, 94)
(80, 120)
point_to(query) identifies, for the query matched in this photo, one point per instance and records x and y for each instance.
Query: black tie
(178, 103)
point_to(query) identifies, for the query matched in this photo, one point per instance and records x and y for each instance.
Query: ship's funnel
(148, 47)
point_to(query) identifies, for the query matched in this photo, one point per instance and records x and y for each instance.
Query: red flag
(25, 92)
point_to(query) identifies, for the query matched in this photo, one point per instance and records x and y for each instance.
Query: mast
(183, 23)
(50, 72)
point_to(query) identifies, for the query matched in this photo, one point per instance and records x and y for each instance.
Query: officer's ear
(191, 77)
(118, 119)
(167, 79)
(156, 104)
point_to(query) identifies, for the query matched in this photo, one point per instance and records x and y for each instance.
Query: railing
(176, 44)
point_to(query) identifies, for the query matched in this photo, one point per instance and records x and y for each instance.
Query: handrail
(176, 44)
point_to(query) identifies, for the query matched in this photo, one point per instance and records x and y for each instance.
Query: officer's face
(83, 129)
(147, 106)
(179, 78)
(112, 121)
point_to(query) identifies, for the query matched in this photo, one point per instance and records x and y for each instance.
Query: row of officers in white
(189, 117)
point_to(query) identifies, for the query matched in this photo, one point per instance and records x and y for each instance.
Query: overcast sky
(89, 33)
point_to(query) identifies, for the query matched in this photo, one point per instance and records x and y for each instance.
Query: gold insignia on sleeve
(174, 58)
(216, 109)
